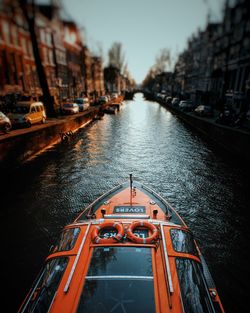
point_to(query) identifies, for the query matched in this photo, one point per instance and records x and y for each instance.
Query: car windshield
(20, 109)
(79, 101)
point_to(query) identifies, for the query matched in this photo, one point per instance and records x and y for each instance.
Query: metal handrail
(76, 259)
(168, 206)
(170, 282)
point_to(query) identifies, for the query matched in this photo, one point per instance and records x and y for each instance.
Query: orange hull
(129, 251)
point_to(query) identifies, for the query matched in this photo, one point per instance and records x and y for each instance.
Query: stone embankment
(235, 142)
(22, 144)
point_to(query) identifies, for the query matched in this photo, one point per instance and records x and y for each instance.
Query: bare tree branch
(163, 61)
(116, 56)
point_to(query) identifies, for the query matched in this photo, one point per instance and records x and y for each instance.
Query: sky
(143, 27)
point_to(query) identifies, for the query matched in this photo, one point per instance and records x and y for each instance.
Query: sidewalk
(234, 140)
(23, 144)
(49, 122)
(244, 126)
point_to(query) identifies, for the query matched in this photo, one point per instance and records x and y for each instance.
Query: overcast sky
(144, 27)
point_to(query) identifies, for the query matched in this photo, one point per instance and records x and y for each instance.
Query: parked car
(5, 123)
(114, 95)
(226, 117)
(83, 103)
(175, 102)
(160, 96)
(186, 105)
(103, 99)
(168, 99)
(70, 108)
(27, 113)
(204, 110)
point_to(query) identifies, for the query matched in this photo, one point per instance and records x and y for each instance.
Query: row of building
(70, 67)
(215, 66)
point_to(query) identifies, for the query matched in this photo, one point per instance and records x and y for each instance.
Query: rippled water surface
(211, 194)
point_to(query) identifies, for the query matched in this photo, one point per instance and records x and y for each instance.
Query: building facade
(215, 67)
(70, 68)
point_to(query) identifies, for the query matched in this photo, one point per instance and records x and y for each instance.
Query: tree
(163, 60)
(116, 56)
(148, 81)
(28, 10)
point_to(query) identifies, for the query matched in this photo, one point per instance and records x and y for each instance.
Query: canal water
(210, 192)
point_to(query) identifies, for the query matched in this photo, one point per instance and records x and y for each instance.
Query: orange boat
(127, 252)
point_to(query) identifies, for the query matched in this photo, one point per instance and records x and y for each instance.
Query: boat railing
(127, 216)
(207, 274)
(90, 207)
(166, 204)
(170, 282)
(66, 288)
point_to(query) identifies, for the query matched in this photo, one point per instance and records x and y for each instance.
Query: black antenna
(131, 186)
(131, 181)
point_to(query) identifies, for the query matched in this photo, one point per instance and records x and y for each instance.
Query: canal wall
(235, 142)
(16, 149)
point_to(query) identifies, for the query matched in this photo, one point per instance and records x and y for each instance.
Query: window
(46, 286)
(13, 68)
(119, 279)
(15, 36)
(51, 57)
(182, 241)
(67, 240)
(48, 38)
(42, 35)
(194, 292)
(6, 31)
(30, 49)
(20, 109)
(1, 32)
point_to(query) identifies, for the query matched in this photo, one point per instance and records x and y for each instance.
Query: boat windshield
(67, 239)
(194, 292)
(182, 241)
(46, 286)
(119, 279)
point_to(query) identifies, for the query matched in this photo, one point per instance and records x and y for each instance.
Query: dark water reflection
(211, 194)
